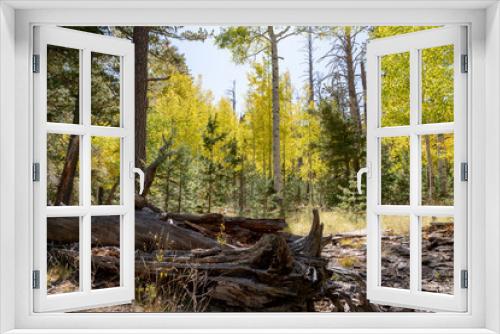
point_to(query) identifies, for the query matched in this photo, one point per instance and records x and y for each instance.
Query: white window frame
(16, 20)
(85, 43)
(413, 44)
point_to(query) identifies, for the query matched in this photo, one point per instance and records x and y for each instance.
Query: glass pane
(63, 254)
(105, 102)
(437, 254)
(395, 170)
(395, 89)
(105, 170)
(63, 85)
(395, 251)
(105, 252)
(63, 152)
(437, 84)
(437, 169)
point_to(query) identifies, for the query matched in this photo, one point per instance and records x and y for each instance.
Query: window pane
(437, 254)
(437, 169)
(63, 153)
(105, 170)
(105, 90)
(63, 254)
(437, 84)
(63, 84)
(395, 170)
(395, 89)
(105, 252)
(395, 251)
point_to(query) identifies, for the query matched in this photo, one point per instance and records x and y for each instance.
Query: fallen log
(214, 220)
(271, 275)
(150, 232)
(170, 231)
(233, 230)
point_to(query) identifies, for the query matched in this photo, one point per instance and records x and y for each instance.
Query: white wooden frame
(412, 44)
(85, 43)
(16, 18)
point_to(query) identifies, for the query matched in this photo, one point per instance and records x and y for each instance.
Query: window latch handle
(134, 170)
(360, 174)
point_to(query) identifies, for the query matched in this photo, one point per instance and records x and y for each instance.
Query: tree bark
(179, 198)
(442, 166)
(271, 275)
(351, 78)
(167, 190)
(151, 232)
(241, 191)
(65, 186)
(364, 85)
(310, 194)
(150, 172)
(310, 66)
(261, 225)
(430, 170)
(278, 182)
(351, 88)
(141, 41)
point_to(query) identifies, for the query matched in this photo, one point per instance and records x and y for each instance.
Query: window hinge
(464, 171)
(464, 279)
(36, 63)
(36, 279)
(465, 64)
(36, 172)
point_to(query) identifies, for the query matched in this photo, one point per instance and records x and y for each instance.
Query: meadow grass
(341, 221)
(335, 221)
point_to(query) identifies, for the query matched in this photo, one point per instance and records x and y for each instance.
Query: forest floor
(348, 251)
(346, 259)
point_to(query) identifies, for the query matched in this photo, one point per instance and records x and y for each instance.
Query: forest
(245, 183)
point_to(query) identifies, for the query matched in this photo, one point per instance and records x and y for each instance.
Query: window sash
(414, 297)
(86, 297)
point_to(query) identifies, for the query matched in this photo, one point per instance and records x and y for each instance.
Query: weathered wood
(232, 230)
(312, 243)
(269, 275)
(214, 220)
(150, 232)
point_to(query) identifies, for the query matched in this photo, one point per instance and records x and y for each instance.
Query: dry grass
(335, 221)
(174, 290)
(348, 261)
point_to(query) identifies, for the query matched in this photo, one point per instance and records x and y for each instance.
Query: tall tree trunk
(430, 170)
(363, 84)
(233, 96)
(311, 106)
(211, 179)
(209, 196)
(112, 192)
(150, 171)
(65, 186)
(310, 66)
(351, 78)
(241, 192)
(351, 87)
(167, 190)
(179, 198)
(310, 190)
(141, 41)
(442, 166)
(278, 182)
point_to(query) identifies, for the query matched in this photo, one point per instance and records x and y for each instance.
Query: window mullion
(414, 170)
(86, 252)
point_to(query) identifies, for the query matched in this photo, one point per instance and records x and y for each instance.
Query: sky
(217, 69)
